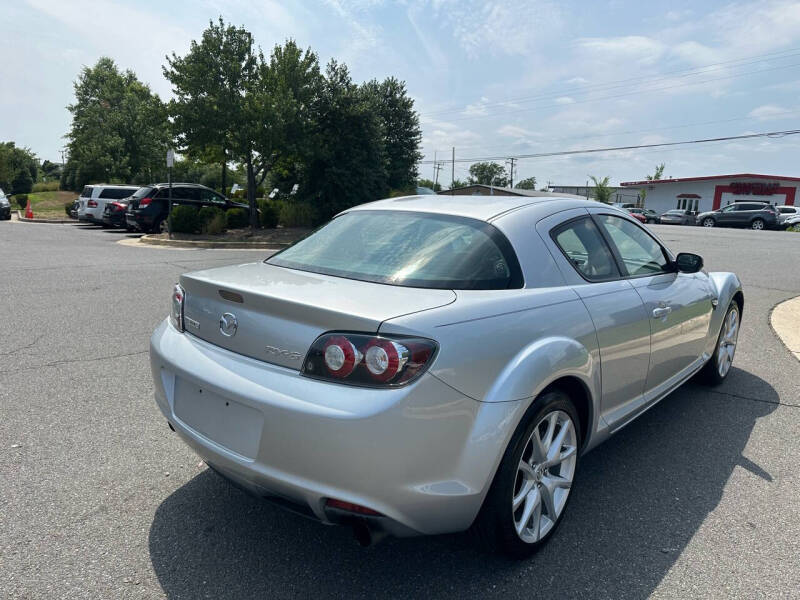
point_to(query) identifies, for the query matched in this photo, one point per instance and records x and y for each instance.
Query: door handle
(661, 311)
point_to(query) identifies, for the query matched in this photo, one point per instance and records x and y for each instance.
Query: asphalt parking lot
(98, 499)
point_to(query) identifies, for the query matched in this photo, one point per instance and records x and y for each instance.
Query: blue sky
(490, 78)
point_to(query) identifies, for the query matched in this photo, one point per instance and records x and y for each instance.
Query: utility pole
(436, 168)
(453, 172)
(512, 161)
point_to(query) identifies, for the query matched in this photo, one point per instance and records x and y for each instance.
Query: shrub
(207, 214)
(22, 200)
(236, 218)
(794, 228)
(296, 214)
(185, 219)
(68, 206)
(49, 186)
(269, 214)
(216, 224)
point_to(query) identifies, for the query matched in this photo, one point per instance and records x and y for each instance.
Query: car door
(742, 213)
(678, 305)
(725, 217)
(616, 309)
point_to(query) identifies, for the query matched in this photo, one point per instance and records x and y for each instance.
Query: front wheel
(757, 224)
(719, 365)
(532, 485)
(708, 222)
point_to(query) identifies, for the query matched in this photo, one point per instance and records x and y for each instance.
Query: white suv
(93, 200)
(788, 212)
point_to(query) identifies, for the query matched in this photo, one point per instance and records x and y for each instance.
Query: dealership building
(715, 191)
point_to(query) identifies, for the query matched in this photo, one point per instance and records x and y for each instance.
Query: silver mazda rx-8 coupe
(432, 364)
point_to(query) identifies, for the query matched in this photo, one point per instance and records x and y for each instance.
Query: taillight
(368, 360)
(116, 206)
(145, 201)
(92, 204)
(176, 312)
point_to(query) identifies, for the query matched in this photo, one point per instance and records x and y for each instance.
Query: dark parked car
(5, 206)
(114, 215)
(755, 215)
(650, 216)
(73, 210)
(148, 207)
(676, 216)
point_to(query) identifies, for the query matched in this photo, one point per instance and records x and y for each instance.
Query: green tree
(119, 127)
(657, 174)
(400, 129)
(436, 187)
(348, 166)
(457, 184)
(602, 190)
(18, 168)
(527, 184)
(488, 173)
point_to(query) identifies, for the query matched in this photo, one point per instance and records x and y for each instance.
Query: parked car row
(142, 208)
(753, 215)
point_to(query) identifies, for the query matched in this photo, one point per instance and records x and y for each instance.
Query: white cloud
(767, 112)
(632, 48)
(565, 100)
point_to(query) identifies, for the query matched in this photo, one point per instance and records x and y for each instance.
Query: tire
(757, 224)
(130, 229)
(498, 521)
(715, 371)
(708, 222)
(159, 226)
(650, 221)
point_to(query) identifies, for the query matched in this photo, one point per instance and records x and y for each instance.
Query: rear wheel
(757, 224)
(532, 485)
(718, 367)
(708, 222)
(159, 226)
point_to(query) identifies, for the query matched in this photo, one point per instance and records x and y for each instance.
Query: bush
(49, 186)
(296, 214)
(68, 206)
(236, 218)
(269, 214)
(22, 200)
(794, 228)
(185, 219)
(212, 220)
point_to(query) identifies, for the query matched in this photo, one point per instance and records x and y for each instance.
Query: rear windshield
(116, 193)
(408, 249)
(87, 191)
(143, 192)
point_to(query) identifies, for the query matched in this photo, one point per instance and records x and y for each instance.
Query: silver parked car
(677, 216)
(428, 364)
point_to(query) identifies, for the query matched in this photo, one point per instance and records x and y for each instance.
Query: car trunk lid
(274, 313)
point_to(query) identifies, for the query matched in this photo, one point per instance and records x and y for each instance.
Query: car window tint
(116, 193)
(87, 191)
(209, 196)
(640, 253)
(408, 249)
(582, 244)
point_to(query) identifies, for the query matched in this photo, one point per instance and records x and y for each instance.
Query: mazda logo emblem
(228, 324)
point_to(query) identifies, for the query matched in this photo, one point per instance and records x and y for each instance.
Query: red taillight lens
(92, 204)
(116, 206)
(351, 507)
(145, 201)
(368, 360)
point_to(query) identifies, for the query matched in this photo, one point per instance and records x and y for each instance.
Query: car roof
(113, 185)
(484, 208)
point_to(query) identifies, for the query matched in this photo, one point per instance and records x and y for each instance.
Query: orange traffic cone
(28, 210)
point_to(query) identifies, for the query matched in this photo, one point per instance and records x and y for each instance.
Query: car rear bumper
(423, 456)
(93, 215)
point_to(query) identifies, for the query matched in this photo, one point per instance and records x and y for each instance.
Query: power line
(790, 52)
(773, 134)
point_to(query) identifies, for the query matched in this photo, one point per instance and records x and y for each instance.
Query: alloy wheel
(758, 224)
(727, 342)
(708, 222)
(544, 476)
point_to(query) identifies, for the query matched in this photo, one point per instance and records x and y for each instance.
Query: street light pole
(170, 162)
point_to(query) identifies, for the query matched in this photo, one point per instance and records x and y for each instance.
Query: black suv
(755, 215)
(148, 207)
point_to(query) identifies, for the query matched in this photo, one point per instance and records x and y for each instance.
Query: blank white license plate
(223, 421)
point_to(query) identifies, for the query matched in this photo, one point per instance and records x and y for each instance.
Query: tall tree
(527, 184)
(602, 189)
(488, 173)
(119, 127)
(213, 85)
(348, 165)
(400, 129)
(657, 174)
(18, 168)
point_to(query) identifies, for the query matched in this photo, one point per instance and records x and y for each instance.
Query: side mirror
(686, 262)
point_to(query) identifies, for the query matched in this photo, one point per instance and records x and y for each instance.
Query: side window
(210, 197)
(640, 253)
(584, 247)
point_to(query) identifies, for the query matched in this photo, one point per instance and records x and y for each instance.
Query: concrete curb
(22, 219)
(785, 321)
(146, 239)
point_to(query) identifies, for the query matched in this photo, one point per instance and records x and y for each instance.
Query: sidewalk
(785, 320)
